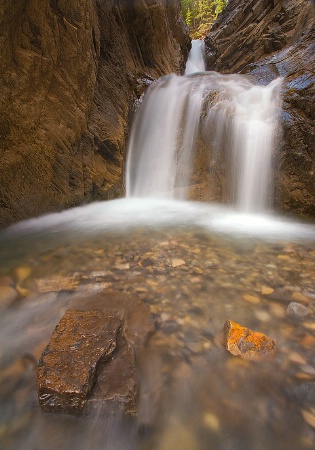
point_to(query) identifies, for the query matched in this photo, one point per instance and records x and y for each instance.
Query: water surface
(194, 266)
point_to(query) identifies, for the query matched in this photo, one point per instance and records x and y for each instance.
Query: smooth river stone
(297, 311)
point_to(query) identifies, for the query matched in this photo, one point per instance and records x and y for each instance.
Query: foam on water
(123, 214)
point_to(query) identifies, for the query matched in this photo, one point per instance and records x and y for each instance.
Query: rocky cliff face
(268, 39)
(70, 71)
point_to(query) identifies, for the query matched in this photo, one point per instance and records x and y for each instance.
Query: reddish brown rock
(135, 315)
(68, 367)
(70, 73)
(90, 363)
(116, 387)
(248, 344)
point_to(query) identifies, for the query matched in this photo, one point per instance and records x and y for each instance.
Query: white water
(196, 58)
(205, 382)
(125, 214)
(240, 119)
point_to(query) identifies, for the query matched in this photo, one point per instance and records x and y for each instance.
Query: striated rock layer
(70, 72)
(268, 39)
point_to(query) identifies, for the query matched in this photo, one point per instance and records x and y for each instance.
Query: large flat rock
(68, 367)
(89, 365)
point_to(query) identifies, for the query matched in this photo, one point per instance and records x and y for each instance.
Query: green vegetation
(200, 15)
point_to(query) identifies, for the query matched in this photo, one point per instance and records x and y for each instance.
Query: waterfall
(238, 118)
(196, 57)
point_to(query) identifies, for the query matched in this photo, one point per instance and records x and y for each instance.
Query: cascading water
(196, 58)
(193, 266)
(167, 127)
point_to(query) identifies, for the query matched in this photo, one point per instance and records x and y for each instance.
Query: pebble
(277, 310)
(296, 358)
(310, 370)
(211, 421)
(196, 347)
(8, 295)
(178, 262)
(170, 326)
(283, 257)
(263, 316)
(251, 299)
(309, 325)
(22, 272)
(190, 311)
(24, 292)
(124, 266)
(298, 296)
(309, 417)
(308, 341)
(266, 290)
(165, 317)
(297, 311)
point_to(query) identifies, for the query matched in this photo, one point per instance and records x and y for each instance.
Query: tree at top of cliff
(200, 15)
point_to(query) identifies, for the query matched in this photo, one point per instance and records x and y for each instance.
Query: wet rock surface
(116, 386)
(68, 367)
(298, 311)
(266, 40)
(89, 365)
(70, 73)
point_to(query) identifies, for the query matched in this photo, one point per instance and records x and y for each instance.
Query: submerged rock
(297, 311)
(116, 386)
(246, 343)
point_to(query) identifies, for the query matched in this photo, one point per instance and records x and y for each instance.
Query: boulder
(68, 367)
(89, 365)
(70, 73)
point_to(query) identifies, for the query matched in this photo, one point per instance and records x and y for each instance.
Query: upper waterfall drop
(196, 58)
(233, 118)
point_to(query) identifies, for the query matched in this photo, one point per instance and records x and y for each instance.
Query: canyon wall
(70, 73)
(268, 39)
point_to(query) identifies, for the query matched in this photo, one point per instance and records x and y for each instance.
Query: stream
(194, 265)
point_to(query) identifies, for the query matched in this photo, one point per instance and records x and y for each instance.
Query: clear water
(194, 266)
